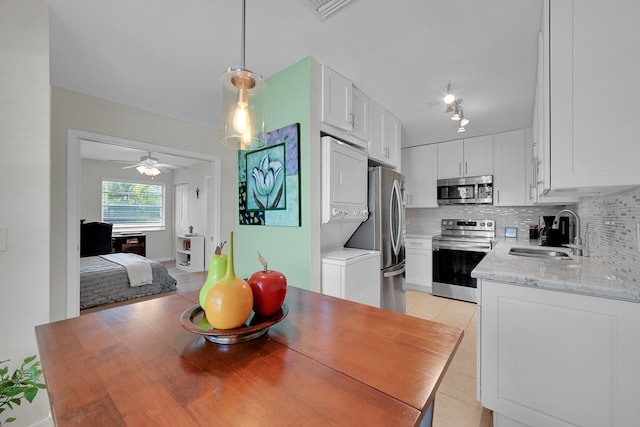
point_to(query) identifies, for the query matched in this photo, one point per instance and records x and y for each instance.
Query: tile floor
(456, 404)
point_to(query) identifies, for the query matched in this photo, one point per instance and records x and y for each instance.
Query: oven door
(452, 266)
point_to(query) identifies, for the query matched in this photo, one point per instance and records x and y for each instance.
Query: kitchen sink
(539, 253)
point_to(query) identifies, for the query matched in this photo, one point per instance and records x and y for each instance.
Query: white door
(181, 209)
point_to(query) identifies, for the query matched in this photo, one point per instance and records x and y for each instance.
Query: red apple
(269, 288)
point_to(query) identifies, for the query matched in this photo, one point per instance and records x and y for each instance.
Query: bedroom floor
(456, 404)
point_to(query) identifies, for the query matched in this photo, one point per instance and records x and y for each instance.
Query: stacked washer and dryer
(348, 273)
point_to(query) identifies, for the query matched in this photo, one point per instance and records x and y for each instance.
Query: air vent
(324, 8)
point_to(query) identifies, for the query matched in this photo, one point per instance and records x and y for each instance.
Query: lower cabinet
(549, 358)
(419, 262)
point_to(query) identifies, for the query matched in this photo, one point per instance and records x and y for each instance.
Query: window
(133, 206)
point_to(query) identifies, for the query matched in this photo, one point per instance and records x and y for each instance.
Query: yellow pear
(230, 301)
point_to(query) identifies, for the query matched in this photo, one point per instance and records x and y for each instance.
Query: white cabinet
(556, 359)
(419, 263)
(384, 136)
(420, 169)
(337, 98)
(361, 116)
(541, 131)
(594, 64)
(478, 155)
(450, 159)
(509, 171)
(465, 157)
(190, 253)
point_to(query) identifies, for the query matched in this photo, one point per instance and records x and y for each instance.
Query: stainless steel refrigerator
(384, 231)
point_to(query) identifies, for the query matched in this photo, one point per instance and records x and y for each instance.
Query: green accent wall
(286, 249)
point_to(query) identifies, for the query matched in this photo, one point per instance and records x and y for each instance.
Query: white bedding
(139, 271)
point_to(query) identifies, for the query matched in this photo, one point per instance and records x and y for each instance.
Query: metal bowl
(194, 320)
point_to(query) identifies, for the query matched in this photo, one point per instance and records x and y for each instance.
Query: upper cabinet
(361, 112)
(466, 157)
(594, 59)
(350, 115)
(450, 159)
(509, 183)
(384, 136)
(420, 169)
(337, 100)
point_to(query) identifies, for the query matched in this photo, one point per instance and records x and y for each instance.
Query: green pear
(217, 270)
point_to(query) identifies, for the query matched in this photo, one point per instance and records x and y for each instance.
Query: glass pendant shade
(243, 107)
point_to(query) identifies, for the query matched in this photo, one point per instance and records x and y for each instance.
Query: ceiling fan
(148, 165)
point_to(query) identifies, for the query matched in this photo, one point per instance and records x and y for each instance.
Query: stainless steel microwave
(472, 189)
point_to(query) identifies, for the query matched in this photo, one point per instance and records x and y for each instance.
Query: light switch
(3, 239)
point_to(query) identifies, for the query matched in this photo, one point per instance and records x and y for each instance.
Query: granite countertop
(581, 275)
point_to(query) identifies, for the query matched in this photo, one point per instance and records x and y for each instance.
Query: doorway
(75, 139)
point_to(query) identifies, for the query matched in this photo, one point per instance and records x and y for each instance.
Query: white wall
(24, 186)
(72, 110)
(159, 244)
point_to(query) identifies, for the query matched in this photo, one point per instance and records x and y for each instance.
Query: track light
(457, 110)
(449, 98)
(454, 105)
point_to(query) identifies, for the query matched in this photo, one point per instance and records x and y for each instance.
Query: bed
(103, 281)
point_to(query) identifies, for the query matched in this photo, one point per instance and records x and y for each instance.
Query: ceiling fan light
(464, 122)
(141, 169)
(449, 109)
(456, 116)
(461, 129)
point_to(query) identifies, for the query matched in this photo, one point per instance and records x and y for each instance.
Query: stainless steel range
(456, 251)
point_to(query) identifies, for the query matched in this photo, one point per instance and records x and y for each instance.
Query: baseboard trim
(419, 288)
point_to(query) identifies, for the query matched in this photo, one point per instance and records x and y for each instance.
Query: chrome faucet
(577, 245)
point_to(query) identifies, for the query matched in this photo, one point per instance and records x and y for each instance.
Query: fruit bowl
(194, 320)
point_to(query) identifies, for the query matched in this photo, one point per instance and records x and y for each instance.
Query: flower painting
(266, 184)
(269, 181)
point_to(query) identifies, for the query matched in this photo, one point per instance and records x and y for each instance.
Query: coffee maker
(555, 237)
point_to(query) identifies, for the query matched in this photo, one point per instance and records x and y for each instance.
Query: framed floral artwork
(269, 181)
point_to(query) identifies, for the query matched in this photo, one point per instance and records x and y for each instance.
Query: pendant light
(243, 102)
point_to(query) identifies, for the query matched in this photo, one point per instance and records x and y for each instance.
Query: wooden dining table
(329, 362)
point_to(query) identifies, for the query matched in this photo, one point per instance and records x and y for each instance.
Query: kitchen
(608, 221)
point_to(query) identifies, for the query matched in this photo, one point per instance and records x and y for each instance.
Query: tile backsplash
(427, 221)
(609, 231)
(608, 225)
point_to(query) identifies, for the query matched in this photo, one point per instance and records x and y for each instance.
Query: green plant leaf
(28, 360)
(30, 394)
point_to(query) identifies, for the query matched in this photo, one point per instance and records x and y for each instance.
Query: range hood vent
(324, 8)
